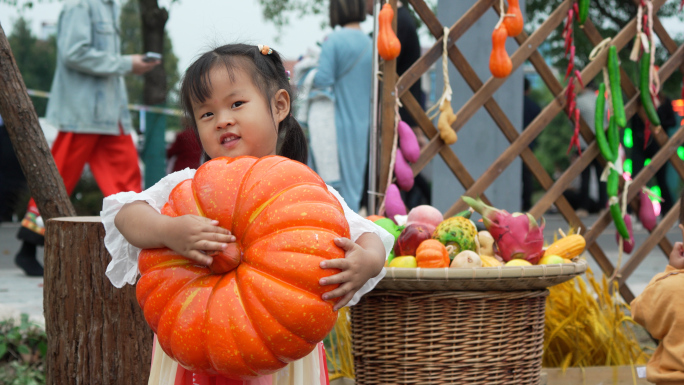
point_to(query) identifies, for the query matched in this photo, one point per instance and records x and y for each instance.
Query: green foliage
(23, 347)
(36, 60)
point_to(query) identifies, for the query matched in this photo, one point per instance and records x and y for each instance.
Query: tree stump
(96, 333)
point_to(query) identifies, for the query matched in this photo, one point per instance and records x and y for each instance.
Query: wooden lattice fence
(519, 141)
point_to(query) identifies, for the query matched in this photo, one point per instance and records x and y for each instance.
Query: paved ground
(21, 294)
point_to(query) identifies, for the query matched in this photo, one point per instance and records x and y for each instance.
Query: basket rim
(486, 273)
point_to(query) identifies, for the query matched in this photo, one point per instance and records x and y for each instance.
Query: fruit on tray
(374, 218)
(486, 243)
(431, 253)
(515, 235)
(467, 259)
(405, 261)
(518, 262)
(426, 215)
(410, 238)
(488, 261)
(458, 232)
(567, 247)
(551, 260)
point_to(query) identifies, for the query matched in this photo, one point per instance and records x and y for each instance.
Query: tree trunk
(28, 140)
(153, 22)
(96, 332)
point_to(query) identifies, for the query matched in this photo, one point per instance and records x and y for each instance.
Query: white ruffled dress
(310, 370)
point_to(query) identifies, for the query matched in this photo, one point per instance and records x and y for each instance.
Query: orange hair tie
(264, 49)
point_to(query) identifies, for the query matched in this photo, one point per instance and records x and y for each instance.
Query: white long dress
(310, 370)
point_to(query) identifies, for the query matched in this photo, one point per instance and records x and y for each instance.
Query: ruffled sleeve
(359, 226)
(123, 267)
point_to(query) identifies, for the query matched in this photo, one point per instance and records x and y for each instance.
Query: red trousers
(113, 160)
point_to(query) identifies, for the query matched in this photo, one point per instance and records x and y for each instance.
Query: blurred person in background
(89, 105)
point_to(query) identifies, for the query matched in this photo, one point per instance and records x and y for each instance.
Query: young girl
(237, 98)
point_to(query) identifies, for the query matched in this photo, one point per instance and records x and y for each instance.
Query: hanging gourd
(499, 63)
(259, 305)
(389, 46)
(513, 19)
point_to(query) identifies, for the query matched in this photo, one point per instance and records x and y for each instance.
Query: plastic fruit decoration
(446, 119)
(499, 63)
(259, 306)
(431, 253)
(514, 23)
(389, 46)
(516, 236)
(567, 247)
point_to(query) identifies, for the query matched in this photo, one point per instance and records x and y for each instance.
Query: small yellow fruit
(550, 260)
(488, 261)
(406, 261)
(518, 262)
(565, 260)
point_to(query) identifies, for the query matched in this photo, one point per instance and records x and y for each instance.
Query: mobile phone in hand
(151, 57)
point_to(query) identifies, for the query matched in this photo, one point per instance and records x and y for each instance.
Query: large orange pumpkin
(266, 311)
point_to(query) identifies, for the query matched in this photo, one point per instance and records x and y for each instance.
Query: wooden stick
(387, 113)
(16, 108)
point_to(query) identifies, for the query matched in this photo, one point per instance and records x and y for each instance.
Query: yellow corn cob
(567, 247)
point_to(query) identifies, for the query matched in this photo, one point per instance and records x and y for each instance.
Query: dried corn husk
(586, 325)
(338, 347)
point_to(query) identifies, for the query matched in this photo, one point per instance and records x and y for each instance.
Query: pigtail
(293, 144)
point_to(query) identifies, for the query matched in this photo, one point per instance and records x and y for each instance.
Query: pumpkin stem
(226, 260)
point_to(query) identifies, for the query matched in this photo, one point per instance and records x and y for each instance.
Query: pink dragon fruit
(516, 236)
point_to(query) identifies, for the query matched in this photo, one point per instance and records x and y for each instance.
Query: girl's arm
(188, 235)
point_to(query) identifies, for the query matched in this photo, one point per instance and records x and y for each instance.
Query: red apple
(410, 238)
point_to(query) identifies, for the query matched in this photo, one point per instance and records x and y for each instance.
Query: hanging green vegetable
(613, 138)
(583, 11)
(615, 88)
(598, 125)
(646, 100)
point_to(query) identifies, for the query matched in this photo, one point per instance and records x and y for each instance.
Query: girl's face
(236, 119)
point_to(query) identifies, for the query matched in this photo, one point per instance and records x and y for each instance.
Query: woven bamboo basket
(411, 330)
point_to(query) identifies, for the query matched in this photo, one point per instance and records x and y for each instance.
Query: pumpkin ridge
(298, 229)
(252, 310)
(239, 199)
(275, 315)
(200, 210)
(300, 226)
(263, 206)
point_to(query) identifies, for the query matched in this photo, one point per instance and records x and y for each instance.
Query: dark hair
(343, 12)
(269, 76)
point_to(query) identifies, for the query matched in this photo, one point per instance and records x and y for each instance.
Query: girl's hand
(677, 256)
(191, 236)
(358, 266)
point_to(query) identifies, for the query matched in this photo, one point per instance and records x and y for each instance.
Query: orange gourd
(499, 63)
(259, 306)
(389, 46)
(432, 253)
(514, 24)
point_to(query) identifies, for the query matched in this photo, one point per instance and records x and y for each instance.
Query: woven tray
(502, 278)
